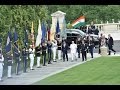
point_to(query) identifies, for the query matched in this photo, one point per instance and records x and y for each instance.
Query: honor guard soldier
(64, 50)
(1, 64)
(38, 51)
(54, 49)
(9, 63)
(73, 50)
(24, 55)
(84, 48)
(49, 48)
(78, 47)
(59, 44)
(31, 56)
(91, 46)
(44, 48)
(17, 59)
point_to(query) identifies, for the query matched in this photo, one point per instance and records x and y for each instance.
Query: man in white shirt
(54, 49)
(73, 50)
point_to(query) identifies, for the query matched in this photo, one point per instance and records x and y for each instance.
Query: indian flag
(79, 22)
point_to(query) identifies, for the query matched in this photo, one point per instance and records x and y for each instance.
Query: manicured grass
(103, 71)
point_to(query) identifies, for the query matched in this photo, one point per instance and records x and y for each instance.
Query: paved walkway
(41, 73)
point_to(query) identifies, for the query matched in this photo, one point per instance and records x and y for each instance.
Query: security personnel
(49, 48)
(17, 58)
(64, 50)
(44, 48)
(38, 51)
(96, 32)
(59, 44)
(100, 39)
(110, 44)
(73, 50)
(78, 47)
(91, 46)
(84, 48)
(31, 56)
(24, 55)
(1, 64)
(9, 57)
(54, 49)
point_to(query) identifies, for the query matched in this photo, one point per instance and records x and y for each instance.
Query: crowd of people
(52, 51)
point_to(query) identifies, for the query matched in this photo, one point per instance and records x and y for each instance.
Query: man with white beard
(54, 49)
(73, 50)
(1, 64)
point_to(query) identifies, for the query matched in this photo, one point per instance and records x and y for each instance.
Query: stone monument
(60, 16)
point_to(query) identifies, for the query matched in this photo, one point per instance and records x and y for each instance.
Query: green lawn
(103, 71)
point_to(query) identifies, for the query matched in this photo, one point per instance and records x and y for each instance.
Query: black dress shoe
(44, 65)
(49, 63)
(114, 53)
(9, 77)
(54, 61)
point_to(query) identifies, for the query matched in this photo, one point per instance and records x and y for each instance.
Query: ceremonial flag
(79, 22)
(32, 35)
(64, 28)
(43, 32)
(16, 50)
(57, 27)
(48, 29)
(39, 36)
(26, 37)
(8, 44)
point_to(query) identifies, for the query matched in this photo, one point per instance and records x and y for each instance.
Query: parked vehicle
(73, 34)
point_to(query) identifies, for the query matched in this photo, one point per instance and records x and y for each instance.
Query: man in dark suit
(84, 48)
(64, 50)
(96, 32)
(78, 46)
(100, 38)
(110, 44)
(91, 46)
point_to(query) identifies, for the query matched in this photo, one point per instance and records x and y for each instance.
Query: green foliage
(23, 15)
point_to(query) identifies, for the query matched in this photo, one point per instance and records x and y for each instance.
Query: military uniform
(1, 65)
(49, 48)
(24, 55)
(59, 44)
(9, 64)
(38, 53)
(17, 58)
(31, 56)
(44, 54)
(91, 47)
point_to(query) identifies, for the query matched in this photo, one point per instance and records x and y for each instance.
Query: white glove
(3, 64)
(19, 59)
